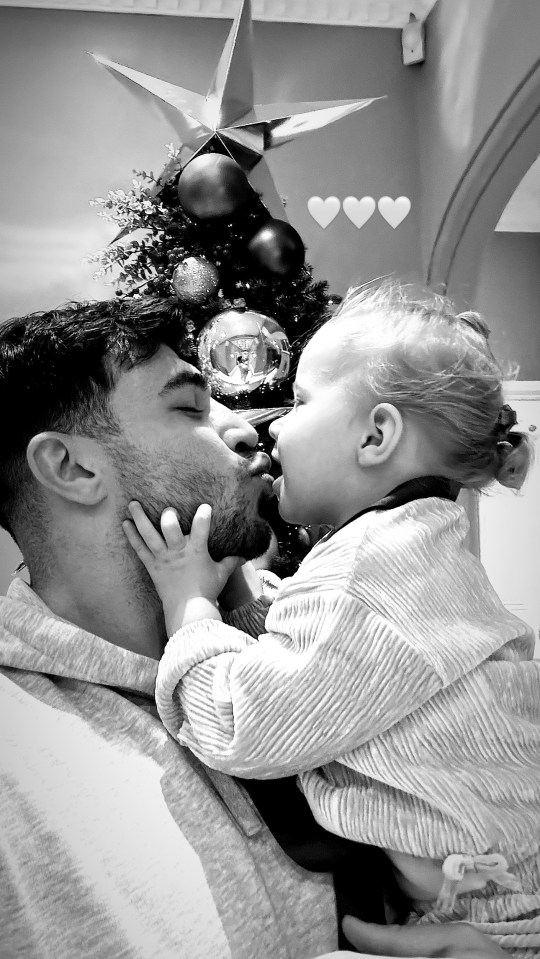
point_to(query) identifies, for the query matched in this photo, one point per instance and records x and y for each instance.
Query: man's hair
(57, 370)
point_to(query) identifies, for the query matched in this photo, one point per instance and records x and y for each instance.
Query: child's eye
(297, 403)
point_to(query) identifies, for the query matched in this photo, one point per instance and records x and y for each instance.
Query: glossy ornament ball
(195, 280)
(278, 248)
(334, 300)
(241, 351)
(212, 186)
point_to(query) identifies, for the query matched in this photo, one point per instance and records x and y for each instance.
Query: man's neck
(110, 599)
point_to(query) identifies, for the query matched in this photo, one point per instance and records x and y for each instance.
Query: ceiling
(355, 13)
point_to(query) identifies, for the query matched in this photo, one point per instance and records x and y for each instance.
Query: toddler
(386, 673)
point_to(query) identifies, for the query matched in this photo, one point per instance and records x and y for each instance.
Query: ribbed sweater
(388, 674)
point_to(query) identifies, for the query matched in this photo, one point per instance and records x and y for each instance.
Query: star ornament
(226, 119)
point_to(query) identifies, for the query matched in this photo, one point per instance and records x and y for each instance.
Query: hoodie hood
(33, 638)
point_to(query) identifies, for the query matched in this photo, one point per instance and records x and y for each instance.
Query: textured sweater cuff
(249, 618)
(189, 646)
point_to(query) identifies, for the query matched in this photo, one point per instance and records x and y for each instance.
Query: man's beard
(239, 526)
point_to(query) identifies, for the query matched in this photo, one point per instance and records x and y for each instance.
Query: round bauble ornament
(212, 185)
(334, 300)
(195, 280)
(278, 248)
(242, 350)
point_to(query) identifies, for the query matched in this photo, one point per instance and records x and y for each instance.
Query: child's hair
(425, 358)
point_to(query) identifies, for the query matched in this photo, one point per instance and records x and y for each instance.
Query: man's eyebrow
(184, 378)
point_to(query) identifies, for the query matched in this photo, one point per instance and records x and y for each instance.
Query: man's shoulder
(93, 786)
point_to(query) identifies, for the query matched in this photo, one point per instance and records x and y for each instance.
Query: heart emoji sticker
(359, 211)
(393, 211)
(323, 211)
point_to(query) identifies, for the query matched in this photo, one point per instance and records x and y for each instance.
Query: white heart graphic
(394, 211)
(323, 211)
(359, 211)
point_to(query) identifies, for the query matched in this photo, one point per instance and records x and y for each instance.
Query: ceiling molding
(351, 13)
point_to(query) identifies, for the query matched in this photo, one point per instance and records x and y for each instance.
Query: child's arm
(328, 675)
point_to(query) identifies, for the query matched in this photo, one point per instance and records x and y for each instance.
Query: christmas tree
(211, 234)
(238, 274)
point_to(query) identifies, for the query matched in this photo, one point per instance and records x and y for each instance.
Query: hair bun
(506, 420)
(514, 456)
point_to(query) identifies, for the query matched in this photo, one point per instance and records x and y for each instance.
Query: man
(115, 841)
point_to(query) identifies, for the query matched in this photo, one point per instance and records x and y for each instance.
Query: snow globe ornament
(243, 350)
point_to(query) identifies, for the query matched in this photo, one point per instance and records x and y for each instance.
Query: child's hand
(187, 580)
(453, 939)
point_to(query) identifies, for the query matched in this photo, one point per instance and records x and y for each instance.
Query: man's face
(178, 447)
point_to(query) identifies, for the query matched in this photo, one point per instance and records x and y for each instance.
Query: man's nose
(235, 431)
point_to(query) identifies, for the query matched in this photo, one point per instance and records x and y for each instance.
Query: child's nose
(275, 427)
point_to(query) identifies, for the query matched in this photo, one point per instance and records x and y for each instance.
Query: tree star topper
(226, 119)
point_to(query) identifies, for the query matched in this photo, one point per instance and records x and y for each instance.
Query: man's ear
(64, 464)
(381, 436)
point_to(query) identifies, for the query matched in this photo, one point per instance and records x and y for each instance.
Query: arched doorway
(507, 150)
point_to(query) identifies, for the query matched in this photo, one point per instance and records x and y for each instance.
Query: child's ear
(381, 436)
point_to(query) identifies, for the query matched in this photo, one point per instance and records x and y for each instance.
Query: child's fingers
(146, 529)
(200, 528)
(170, 527)
(137, 543)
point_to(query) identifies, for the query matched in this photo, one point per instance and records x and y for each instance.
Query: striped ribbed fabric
(391, 678)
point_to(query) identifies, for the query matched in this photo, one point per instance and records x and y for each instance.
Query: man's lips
(260, 465)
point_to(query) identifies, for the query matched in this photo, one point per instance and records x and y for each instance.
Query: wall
(72, 131)
(508, 294)
(478, 104)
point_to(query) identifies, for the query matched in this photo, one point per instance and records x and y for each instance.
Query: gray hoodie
(115, 842)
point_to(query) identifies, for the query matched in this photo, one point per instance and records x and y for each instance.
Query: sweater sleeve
(328, 675)
(251, 617)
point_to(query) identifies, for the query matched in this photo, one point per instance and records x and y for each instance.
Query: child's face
(317, 441)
